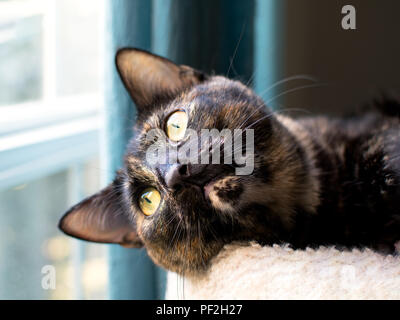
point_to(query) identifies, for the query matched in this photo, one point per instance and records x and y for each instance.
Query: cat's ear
(150, 78)
(102, 218)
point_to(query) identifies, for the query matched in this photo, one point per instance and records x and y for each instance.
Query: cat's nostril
(183, 170)
(182, 173)
(174, 175)
(178, 187)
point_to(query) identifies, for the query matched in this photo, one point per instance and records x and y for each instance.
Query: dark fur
(317, 181)
(358, 159)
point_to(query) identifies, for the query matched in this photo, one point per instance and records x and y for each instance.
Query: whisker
(287, 79)
(236, 49)
(279, 95)
(263, 118)
(296, 77)
(297, 89)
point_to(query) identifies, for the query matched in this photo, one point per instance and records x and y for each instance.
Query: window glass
(21, 51)
(30, 240)
(77, 62)
(48, 49)
(49, 95)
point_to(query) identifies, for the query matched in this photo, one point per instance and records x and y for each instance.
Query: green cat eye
(149, 201)
(176, 125)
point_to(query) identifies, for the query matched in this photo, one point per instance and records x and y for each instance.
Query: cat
(316, 181)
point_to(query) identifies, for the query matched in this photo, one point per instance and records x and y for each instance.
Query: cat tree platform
(243, 271)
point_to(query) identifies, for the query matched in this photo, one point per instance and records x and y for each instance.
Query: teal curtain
(236, 38)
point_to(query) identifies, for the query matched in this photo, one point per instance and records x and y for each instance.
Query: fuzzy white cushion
(250, 271)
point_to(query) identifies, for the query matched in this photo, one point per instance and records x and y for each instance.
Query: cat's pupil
(149, 201)
(175, 125)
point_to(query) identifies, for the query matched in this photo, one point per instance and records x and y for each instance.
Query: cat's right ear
(150, 78)
(102, 218)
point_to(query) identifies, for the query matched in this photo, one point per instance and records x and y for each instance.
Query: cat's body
(357, 160)
(316, 181)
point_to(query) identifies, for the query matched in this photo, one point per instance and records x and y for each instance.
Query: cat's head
(181, 210)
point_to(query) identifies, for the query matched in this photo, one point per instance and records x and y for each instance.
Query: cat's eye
(176, 125)
(149, 201)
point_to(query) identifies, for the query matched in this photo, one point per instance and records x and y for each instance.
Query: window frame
(43, 142)
(52, 134)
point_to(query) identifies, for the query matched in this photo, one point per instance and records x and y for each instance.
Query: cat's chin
(191, 260)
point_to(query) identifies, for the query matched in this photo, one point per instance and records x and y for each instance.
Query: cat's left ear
(150, 78)
(102, 218)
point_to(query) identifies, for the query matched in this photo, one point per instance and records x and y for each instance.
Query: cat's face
(184, 212)
(198, 205)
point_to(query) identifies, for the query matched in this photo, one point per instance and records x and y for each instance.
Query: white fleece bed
(249, 271)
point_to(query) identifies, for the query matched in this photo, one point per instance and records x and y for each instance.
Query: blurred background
(65, 117)
(50, 103)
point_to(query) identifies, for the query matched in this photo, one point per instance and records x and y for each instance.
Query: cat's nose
(176, 174)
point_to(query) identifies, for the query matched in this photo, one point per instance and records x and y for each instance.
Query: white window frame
(50, 135)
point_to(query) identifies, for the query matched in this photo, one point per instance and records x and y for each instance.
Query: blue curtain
(236, 38)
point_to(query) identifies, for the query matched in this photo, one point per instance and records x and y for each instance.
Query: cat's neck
(301, 138)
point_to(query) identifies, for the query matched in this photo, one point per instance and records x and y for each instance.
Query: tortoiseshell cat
(316, 180)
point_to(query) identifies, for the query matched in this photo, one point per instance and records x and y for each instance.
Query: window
(50, 103)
